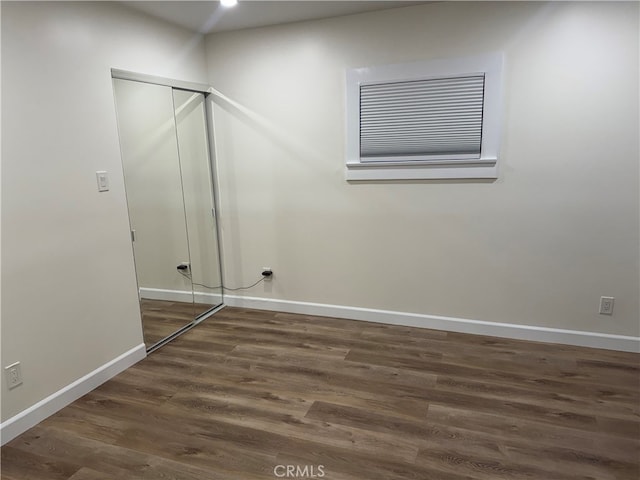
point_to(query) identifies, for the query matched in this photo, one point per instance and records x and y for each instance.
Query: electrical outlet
(13, 375)
(606, 305)
(184, 267)
(267, 272)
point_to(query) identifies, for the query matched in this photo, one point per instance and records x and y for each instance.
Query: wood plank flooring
(161, 318)
(247, 391)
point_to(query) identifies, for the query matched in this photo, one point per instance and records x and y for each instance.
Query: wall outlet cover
(13, 374)
(606, 305)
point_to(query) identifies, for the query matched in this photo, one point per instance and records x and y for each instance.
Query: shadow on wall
(261, 124)
(299, 150)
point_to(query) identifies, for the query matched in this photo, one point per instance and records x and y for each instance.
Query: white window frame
(430, 167)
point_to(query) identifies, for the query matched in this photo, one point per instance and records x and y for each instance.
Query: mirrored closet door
(168, 181)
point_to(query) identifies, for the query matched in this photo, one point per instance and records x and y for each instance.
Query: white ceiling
(209, 16)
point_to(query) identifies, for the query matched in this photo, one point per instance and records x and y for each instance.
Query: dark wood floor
(161, 318)
(247, 391)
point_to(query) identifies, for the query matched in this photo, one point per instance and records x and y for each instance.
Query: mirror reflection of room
(167, 170)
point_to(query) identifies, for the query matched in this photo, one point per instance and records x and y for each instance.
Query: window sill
(363, 171)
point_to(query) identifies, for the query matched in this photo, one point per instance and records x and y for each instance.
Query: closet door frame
(206, 90)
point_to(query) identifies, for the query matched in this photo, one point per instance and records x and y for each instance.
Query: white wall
(69, 301)
(537, 247)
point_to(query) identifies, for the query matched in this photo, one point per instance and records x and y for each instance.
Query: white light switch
(103, 181)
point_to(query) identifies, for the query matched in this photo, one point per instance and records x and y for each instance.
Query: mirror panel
(193, 147)
(155, 202)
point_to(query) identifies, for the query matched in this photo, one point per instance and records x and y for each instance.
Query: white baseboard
(462, 325)
(168, 295)
(185, 296)
(207, 298)
(33, 415)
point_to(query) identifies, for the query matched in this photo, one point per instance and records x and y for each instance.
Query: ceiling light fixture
(228, 3)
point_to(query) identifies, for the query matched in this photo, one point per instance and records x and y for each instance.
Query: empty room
(341, 240)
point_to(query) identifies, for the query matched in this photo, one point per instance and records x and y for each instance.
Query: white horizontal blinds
(441, 116)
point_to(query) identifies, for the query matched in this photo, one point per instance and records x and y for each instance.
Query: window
(424, 120)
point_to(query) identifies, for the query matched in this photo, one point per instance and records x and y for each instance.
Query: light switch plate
(102, 178)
